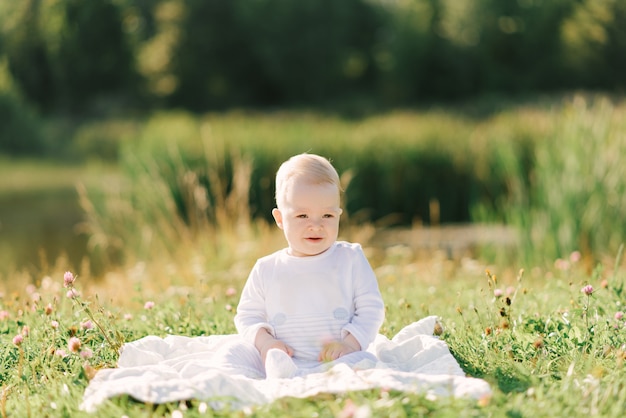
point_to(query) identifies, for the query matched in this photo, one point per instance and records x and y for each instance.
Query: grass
(547, 348)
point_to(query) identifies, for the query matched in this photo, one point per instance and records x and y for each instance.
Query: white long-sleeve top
(308, 301)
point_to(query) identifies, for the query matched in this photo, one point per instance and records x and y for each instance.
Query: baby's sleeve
(251, 311)
(369, 308)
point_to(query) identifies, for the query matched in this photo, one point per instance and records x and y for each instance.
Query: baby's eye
(329, 215)
(302, 216)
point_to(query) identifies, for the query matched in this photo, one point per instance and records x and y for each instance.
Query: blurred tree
(272, 51)
(92, 57)
(156, 37)
(67, 53)
(520, 43)
(315, 49)
(450, 69)
(216, 54)
(28, 58)
(213, 63)
(615, 50)
(401, 49)
(20, 126)
(426, 52)
(594, 44)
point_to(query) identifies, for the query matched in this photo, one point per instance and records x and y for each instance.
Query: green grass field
(547, 347)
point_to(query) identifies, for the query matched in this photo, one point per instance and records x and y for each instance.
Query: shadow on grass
(508, 378)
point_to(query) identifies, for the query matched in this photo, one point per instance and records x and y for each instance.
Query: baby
(318, 299)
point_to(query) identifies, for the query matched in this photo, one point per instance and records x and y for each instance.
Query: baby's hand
(264, 342)
(335, 349)
(268, 344)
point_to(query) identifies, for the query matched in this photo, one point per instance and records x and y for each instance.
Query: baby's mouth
(314, 239)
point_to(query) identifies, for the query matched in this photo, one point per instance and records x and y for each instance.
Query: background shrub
(106, 56)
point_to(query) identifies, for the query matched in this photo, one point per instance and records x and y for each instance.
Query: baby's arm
(369, 309)
(264, 342)
(251, 318)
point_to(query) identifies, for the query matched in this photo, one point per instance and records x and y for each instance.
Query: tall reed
(575, 195)
(163, 209)
(551, 170)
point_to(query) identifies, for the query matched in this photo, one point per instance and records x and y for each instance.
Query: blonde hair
(310, 168)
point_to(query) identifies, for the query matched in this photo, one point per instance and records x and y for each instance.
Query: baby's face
(309, 216)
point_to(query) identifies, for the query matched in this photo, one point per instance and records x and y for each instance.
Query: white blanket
(158, 370)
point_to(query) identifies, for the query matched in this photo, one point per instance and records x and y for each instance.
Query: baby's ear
(278, 217)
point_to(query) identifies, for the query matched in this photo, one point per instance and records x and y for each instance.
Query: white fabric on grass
(158, 370)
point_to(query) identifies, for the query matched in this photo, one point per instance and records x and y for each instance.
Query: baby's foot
(278, 365)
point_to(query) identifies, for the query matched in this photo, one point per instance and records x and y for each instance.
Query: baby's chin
(308, 252)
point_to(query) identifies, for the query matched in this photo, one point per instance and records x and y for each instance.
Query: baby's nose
(315, 224)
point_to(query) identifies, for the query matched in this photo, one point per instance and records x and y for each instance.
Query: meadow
(544, 323)
(551, 342)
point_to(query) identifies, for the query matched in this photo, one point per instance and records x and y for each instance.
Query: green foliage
(356, 55)
(20, 125)
(575, 187)
(65, 54)
(101, 139)
(590, 40)
(20, 128)
(91, 53)
(271, 51)
(520, 43)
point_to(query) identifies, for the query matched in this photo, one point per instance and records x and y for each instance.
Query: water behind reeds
(39, 227)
